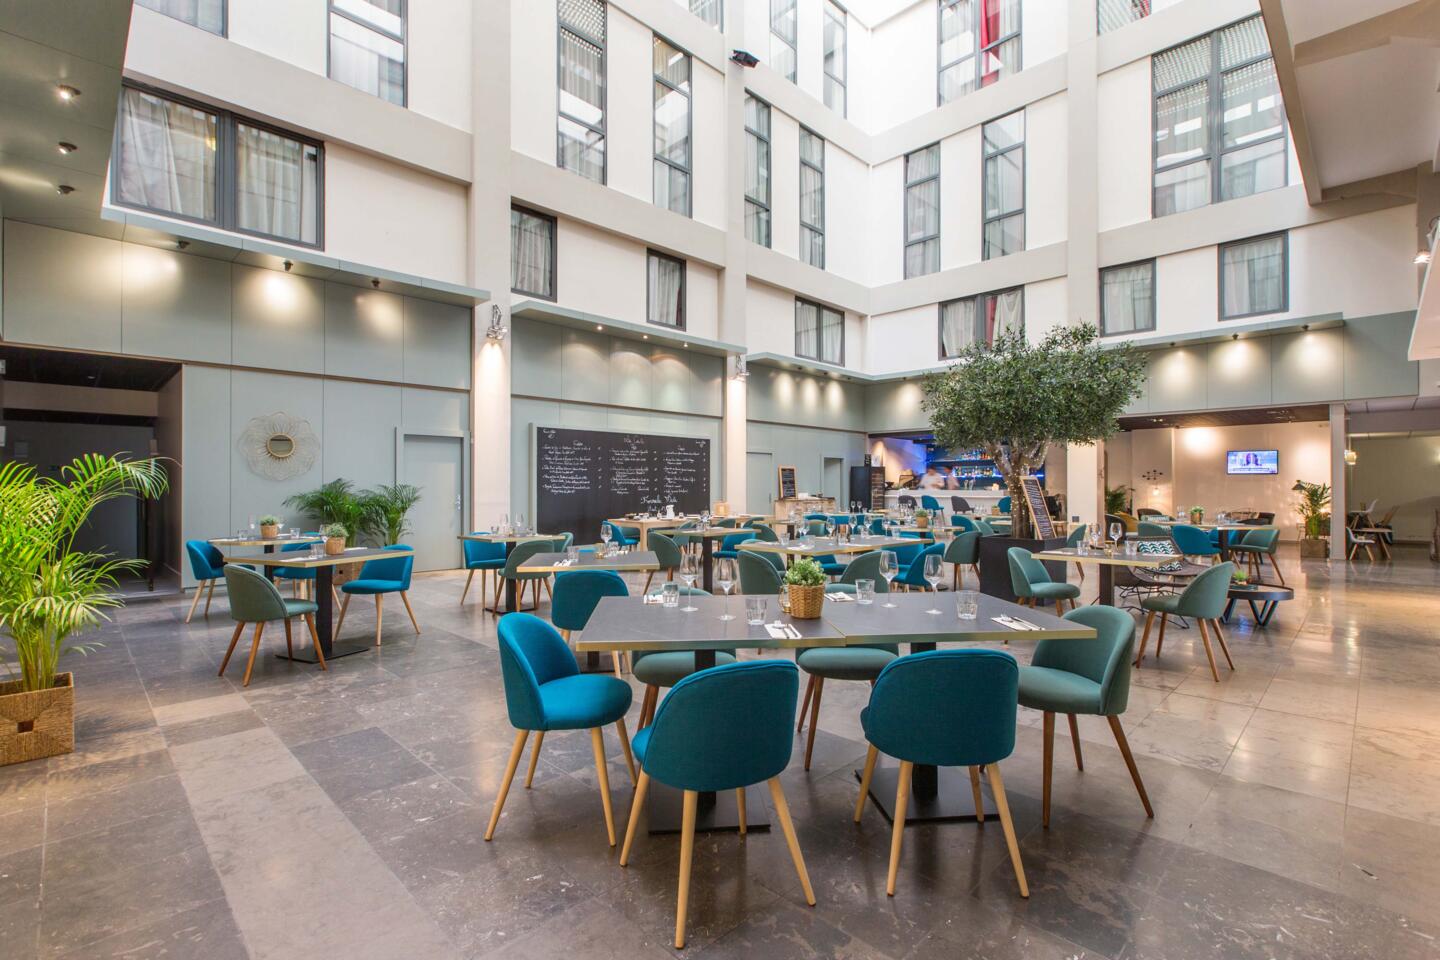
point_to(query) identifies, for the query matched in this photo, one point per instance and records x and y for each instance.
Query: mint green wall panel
(1376, 351)
(1177, 379)
(437, 343)
(259, 395)
(630, 373)
(536, 358)
(174, 305)
(277, 320)
(1307, 367)
(707, 386)
(1238, 373)
(585, 368)
(364, 333)
(206, 452)
(359, 431)
(435, 409)
(672, 383)
(61, 289)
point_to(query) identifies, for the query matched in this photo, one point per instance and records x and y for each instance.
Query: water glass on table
(889, 569)
(670, 595)
(967, 604)
(865, 591)
(755, 610)
(932, 577)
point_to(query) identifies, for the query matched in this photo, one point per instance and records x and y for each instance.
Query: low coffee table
(1267, 595)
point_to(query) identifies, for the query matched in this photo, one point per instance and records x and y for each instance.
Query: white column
(1085, 483)
(732, 277)
(735, 441)
(1338, 509)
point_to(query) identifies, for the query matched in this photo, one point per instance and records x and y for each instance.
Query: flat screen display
(1253, 461)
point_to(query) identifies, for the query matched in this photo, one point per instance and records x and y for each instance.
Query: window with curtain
(711, 11)
(1127, 298)
(184, 160)
(1253, 277)
(672, 166)
(922, 211)
(979, 44)
(1003, 147)
(837, 70)
(757, 171)
(367, 46)
(979, 320)
(580, 145)
(1204, 154)
(819, 332)
(205, 14)
(1114, 14)
(782, 38)
(665, 296)
(532, 253)
(812, 199)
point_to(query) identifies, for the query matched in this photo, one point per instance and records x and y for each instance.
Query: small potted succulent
(269, 526)
(805, 584)
(1197, 514)
(335, 536)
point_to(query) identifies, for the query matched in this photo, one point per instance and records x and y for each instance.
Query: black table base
(714, 812)
(946, 798)
(1262, 613)
(324, 613)
(707, 564)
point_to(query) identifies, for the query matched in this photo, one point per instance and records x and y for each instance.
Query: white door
(434, 465)
(759, 482)
(834, 480)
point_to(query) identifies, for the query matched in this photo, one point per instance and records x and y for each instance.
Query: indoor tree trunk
(1022, 525)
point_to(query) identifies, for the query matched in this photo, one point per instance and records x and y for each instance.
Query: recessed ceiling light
(64, 189)
(66, 147)
(599, 327)
(645, 336)
(66, 92)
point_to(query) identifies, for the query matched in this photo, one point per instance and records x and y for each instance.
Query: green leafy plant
(49, 592)
(1314, 508)
(1013, 399)
(335, 531)
(1117, 499)
(335, 502)
(805, 572)
(386, 510)
(270, 520)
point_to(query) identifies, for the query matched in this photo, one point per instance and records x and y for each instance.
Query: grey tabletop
(588, 560)
(909, 622)
(303, 560)
(627, 623)
(825, 546)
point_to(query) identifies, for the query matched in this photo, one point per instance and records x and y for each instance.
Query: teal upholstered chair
(758, 575)
(963, 551)
(577, 593)
(623, 536)
(1192, 541)
(1146, 528)
(1090, 677)
(864, 567)
(1003, 505)
(1032, 584)
(927, 502)
(663, 669)
(765, 532)
(1202, 599)
(1257, 545)
(1072, 541)
(520, 555)
(858, 662)
(877, 527)
(296, 575)
(912, 575)
(818, 526)
(545, 691)
(482, 556)
(946, 708)
(682, 539)
(723, 729)
(667, 554)
(985, 527)
(728, 523)
(965, 524)
(377, 578)
(730, 546)
(207, 565)
(254, 599)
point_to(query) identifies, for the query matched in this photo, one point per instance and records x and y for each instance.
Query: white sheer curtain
(532, 242)
(366, 60)
(275, 189)
(807, 330)
(167, 156)
(1007, 313)
(832, 336)
(957, 327)
(1127, 298)
(1252, 276)
(667, 287)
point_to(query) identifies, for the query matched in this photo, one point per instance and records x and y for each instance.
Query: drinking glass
(251, 525)
(865, 591)
(784, 599)
(1131, 547)
(932, 576)
(889, 569)
(520, 527)
(1116, 532)
(605, 535)
(572, 553)
(967, 604)
(689, 571)
(295, 532)
(317, 549)
(755, 610)
(670, 594)
(724, 579)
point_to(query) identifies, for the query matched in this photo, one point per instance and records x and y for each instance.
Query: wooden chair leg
(637, 803)
(340, 621)
(597, 741)
(625, 746)
(289, 647)
(1048, 728)
(405, 599)
(814, 720)
(315, 639)
(1075, 742)
(1276, 566)
(534, 758)
(740, 810)
(379, 616)
(1224, 647)
(516, 749)
(234, 639)
(1209, 653)
(870, 757)
(1059, 609)
(897, 832)
(199, 589)
(1124, 745)
(499, 582)
(647, 705)
(1160, 640)
(548, 595)
(615, 662)
(648, 577)
(1081, 568)
(805, 704)
(1002, 806)
(975, 791)
(254, 648)
(687, 856)
(468, 580)
(782, 813)
(209, 595)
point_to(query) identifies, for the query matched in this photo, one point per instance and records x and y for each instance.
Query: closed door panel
(434, 464)
(760, 483)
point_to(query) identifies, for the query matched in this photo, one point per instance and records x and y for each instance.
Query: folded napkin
(654, 598)
(564, 563)
(840, 597)
(780, 631)
(1014, 624)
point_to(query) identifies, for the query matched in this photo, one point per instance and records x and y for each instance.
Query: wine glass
(520, 527)
(724, 579)
(889, 569)
(689, 572)
(932, 575)
(1116, 532)
(605, 535)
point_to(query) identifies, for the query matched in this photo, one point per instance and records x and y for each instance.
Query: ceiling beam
(1273, 16)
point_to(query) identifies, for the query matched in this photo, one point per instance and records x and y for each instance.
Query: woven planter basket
(38, 723)
(334, 546)
(805, 602)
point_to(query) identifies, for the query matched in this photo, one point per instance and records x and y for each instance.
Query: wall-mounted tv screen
(1252, 461)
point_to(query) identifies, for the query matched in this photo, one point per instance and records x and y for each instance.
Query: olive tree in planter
(1013, 399)
(50, 593)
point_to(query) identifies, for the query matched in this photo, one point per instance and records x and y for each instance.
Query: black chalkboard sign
(584, 477)
(1035, 498)
(787, 483)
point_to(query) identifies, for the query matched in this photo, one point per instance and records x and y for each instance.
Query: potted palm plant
(805, 583)
(1014, 400)
(334, 503)
(51, 593)
(269, 526)
(387, 508)
(1314, 510)
(336, 536)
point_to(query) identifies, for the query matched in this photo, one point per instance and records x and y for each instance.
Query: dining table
(633, 561)
(1107, 560)
(267, 544)
(646, 524)
(324, 566)
(1222, 530)
(628, 623)
(510, 540)
(828, 546)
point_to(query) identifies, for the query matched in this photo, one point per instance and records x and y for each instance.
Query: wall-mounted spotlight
(1351, 457)
(375, 282)
(66, 92)
(181, 244)
(287, 264)
(66, 147)
(497, 329)
(745, 58)
(742, 372)
(1422, 258)
(64, 189)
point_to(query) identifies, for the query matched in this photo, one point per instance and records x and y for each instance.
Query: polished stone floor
(340, 815)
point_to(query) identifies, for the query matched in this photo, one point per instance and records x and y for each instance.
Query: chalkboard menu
(1035, 498)
(584, 477)
(787, 483)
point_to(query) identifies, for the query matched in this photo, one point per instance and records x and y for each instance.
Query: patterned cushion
(1162, 548)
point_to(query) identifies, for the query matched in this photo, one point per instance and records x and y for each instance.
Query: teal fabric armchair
(208, 566)
(963, 551)
(1259, 545)
(1032, 584)
(912, 575)
(254, 599)
(1072, 541)
(577, 593)
(484, 557)
(520, 554)
(927, 502)
(758, 575)
(377, 578)
(1192, 541)
(1090, 677)
(667, 554)
(1203, 599)
(1147, 528)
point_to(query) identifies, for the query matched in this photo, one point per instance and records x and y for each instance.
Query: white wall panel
(296, 31)
(438, 57)
(1123, 144)
(534, 55)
